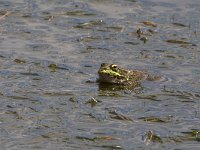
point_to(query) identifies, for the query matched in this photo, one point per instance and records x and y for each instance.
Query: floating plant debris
(150, 23)
(90, 24)
(193, 135)
(152, 137)
(4, 14)
(92, 102)
(19, 61)
(53, 67)
(144, 39)
(178, 42)
(115, 115)
(179, 24)
(155, 119)
(113, 147)
(78, 13)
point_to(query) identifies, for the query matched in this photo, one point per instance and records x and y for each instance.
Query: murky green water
(50, 52)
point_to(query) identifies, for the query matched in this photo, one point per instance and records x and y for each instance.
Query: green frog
(112, 74)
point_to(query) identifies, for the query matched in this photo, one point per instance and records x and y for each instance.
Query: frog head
(111, 73)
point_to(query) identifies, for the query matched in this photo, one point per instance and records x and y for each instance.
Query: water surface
(50, 52)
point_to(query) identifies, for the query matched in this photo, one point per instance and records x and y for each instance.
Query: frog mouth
(106, 77)
(110, 73)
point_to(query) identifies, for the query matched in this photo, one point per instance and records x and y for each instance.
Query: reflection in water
(117, 87)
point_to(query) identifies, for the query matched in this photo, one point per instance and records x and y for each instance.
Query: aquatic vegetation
(178, 42)
(77, 13)
(115, 115)
(90, 24)
(92, 102)
(4, 14)
(193, 135)
(156, 119)
(144, 39)
(19, 61)
(152, 137)
(179, 24)
(53, 67)
(150, 23)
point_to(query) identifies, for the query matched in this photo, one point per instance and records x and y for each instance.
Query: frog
(113, 74)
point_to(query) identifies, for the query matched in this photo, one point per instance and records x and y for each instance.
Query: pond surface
(50, 52)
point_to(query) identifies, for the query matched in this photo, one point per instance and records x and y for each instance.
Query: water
(50, 52)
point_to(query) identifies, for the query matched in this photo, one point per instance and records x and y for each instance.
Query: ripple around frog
(161, 79)
(137, 86)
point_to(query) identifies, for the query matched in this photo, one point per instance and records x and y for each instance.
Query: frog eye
(114, 66)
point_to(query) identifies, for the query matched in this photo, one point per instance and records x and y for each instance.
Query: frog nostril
(103, 64)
